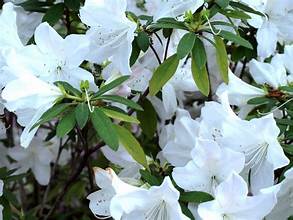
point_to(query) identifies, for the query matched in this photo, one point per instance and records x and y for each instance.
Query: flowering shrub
(146, 109)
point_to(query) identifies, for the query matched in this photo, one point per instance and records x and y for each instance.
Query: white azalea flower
(178, 149)
(263, 152)
(110, 185)
(210, 166)
(29, 92)
(53, 58)
(274, 27)
(232, 203)
(36, 157)
(239, 93)
(273, 74)
(156, 203)
(111, 32)
(284, 208)
(9, 36)
(171, 8)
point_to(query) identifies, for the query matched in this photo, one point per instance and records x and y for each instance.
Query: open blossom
(265, 74)
(274, 26)
(36, 157)
(52, 58)
(157, 202)
(123, 201)
(171, 8)
(111, 33)
(232, 203)
(29, 92)
(210, 165)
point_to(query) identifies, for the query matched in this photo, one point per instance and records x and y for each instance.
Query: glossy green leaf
(198, 68)
(198, 53)
(131, 145)
(120, 116)
(163, 73)
(107, 87)
(143, 41)
(259, 101)
(235, 38)
(147, 118)
(82, 114)
(185, 45)
(52, 113)
(195, 197)
(72, 4)
(54, 14)
(66, 124)
(222, 58)
(105, 129)
(121, 100)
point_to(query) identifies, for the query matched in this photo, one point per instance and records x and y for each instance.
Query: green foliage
(198, 67)
(222, 58)
(105, 129)
(195, 197)
(163, 73)
(131, 145)
(81, 114)
(185, 45)
(54, 14)
(147, 118)
(66, 124)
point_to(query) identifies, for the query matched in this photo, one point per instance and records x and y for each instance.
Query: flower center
(157, 212)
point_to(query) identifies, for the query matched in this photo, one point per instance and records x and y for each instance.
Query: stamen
(88, 102)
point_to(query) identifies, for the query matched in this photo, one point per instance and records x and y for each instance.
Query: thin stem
(156, 54)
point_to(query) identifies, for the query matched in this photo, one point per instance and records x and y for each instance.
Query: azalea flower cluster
(153, 109)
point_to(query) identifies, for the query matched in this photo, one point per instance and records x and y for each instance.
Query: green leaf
(236, 14)
(284, 121)
(198, 68)
(147, 118)
(169, 23)
(245, 7)
(69, 88)
(134, 54)
(288, 148)
(35, 5)
(222, 58)
(66, 124)
(54, 14)
(122, 100)
(259, 101)
(131, 145)
(120, 116)
(143, 41)
(52, 113)
(186, 211)
(163, 73)
(72, 4)
(286, 88)
(105, 129)
(235, 38)
(115, 83)
(222, 3)
(185, 45)
(195, 197)
(198, 53)
(149, 178)
(82, 114)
